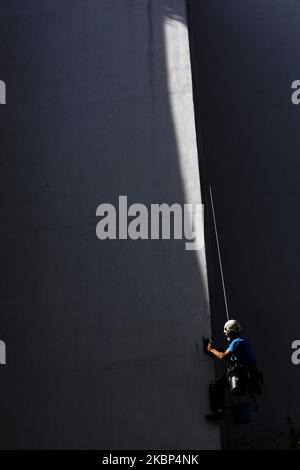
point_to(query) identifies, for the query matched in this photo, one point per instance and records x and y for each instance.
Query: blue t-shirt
(242, 351)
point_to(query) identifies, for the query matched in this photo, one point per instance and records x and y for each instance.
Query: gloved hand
(207, 345)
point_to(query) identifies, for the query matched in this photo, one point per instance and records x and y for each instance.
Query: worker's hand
(209, 347)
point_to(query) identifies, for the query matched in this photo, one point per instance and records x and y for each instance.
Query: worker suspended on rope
(241, 375)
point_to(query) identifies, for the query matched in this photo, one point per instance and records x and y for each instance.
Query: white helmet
(232, 326)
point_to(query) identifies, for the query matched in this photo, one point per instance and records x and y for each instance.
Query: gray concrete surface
(245, 60)
(102, 337)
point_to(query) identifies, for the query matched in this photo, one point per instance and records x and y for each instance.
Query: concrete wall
(245, 59)
(103, 338)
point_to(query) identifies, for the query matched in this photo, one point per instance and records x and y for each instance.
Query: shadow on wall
(252, 158)
(102, 335)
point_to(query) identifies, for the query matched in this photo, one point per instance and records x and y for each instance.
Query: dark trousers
(217, 390)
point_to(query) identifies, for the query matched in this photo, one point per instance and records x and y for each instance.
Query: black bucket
(237, 383)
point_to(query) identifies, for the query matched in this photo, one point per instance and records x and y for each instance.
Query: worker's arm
(216, 353)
